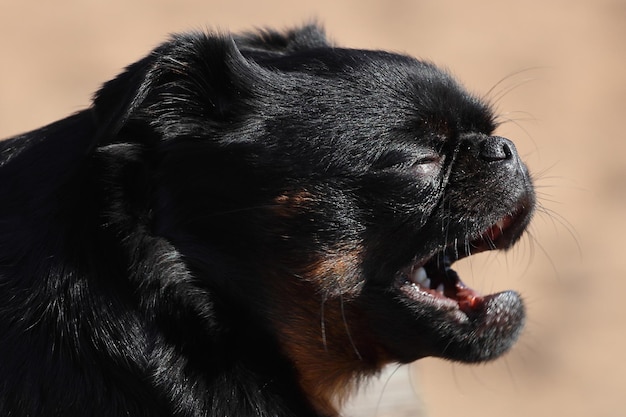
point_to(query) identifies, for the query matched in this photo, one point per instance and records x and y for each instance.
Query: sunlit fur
(223, 231)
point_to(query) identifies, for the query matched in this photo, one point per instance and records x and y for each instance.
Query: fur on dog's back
(227, 231)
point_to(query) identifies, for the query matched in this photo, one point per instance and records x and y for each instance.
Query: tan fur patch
(323, 332)
(292, 204)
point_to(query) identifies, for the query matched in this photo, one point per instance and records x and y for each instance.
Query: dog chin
(250, 225)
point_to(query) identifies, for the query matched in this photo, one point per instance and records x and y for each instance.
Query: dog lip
(500, 235)
(432, 279)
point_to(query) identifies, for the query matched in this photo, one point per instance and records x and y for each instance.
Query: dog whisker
(521, 127)
(500, 95)
(538, 244)
(384, 388)
(557, 218)
(494, 98)
(522, 116)
(347, 329)
(323, 324)
(252, 225)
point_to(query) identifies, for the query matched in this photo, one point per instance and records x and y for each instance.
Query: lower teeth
(420, 278)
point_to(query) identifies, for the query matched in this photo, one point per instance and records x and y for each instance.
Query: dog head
(325, 193)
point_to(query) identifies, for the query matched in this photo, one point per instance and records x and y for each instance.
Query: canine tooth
(440, 288)
(426, 283)
(419, 276)
(500, 224)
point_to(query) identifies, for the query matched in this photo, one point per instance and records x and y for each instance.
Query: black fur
(234, 228)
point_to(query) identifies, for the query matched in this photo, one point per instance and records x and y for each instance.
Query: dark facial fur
(250, 225)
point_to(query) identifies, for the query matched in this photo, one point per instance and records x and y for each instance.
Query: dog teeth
(500, 224)
(420, 277)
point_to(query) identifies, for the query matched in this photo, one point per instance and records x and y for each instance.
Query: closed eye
(422, 161)
(428, 165)
(393, 158)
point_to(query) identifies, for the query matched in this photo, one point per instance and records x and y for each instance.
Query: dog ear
(195, 81)
(118, 98)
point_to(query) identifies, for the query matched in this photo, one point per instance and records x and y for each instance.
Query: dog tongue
(469, 300)
(443, 276)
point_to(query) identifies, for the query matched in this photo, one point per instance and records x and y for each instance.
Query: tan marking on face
(322, 331)
(292, 203)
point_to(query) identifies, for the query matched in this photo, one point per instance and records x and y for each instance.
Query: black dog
(250, 225)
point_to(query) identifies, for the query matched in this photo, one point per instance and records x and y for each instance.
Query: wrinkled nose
(496, 148)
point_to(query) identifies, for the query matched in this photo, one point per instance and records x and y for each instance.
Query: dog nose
(496, 148)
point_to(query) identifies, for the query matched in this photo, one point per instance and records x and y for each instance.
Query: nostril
(496, 148)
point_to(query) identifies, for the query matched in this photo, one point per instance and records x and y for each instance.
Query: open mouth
(434, 280)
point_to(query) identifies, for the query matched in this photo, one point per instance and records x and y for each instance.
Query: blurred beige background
(567, 122)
